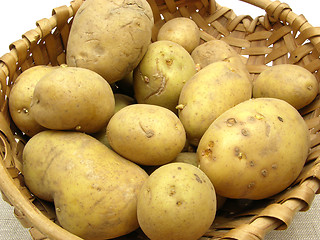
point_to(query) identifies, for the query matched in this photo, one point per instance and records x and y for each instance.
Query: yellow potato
(176, 202)
(162, 73)
(94, 190)
(209, 93)
(187, 157)
(214, 51)
(70, 98)
(146, 134)
(20, 99)
(292, 83)
(255, 149)
(110, 37)
(181, 30)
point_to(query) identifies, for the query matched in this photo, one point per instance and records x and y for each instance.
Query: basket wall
(279, 37)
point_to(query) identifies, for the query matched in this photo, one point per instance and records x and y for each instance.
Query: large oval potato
(146, 134)
(255, 149)
(162, 73)
(110, 37)
(210, 92)
(176, 202)
(181, 30)
(94, 189)
(292, 83)
(20, 99)
(71, 98)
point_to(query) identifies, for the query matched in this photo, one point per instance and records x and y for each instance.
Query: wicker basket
(279, 37)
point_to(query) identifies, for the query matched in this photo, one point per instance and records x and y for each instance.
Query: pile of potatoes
(133, 133)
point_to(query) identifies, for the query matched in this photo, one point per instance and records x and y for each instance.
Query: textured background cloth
(19, 16)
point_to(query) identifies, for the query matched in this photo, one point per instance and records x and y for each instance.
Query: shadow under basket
(278, 37)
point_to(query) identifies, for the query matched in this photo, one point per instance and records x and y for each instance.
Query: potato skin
(176, 202)
(146, 134)
(70, 98)
(255, 149)
(94, 189)
(110, 37)
(292, 83)
(20, 99)
(210, 92)
(181, 30)
(162, 73)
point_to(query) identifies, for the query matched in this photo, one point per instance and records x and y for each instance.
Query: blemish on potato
(280, 119)
(172, 190)
(179, 203)
(259, 116)
(267, 129)
(274, 166)
(242, 156)
(251, 185)
(78, 128)
(197, 178)
(245, 132)
(231, 121)
(251, 163)
(211, 144)
(169, 62)
(179, 168)
(25, 110)
(236, 151)
(180, 107)
(309, 87)
(146, 79)
(206, 152)
(264, 172)
(58, 209)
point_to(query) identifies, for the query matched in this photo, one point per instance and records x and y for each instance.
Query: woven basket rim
(276, 12)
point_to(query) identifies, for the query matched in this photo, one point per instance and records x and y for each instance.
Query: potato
(162, 73)
(176, 202)
(110, 37)
(146, 134)
(214, 51)
(255, 149)
(94, 190)
(187, 157)
(70, 98)
(181, 30)
(210, 92)
(20, 99)
(292, 83)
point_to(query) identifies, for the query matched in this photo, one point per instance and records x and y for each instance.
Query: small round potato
(255, 149)
(20, 99)
(181, 30)
(292, 83)
(214, 51)
(210, 92)
(176, 202)
(162, 73)
(71, 98)
(146, 134)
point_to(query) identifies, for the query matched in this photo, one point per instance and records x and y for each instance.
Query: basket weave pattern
(279, 37)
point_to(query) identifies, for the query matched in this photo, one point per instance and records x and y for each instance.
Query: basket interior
(278, 37)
